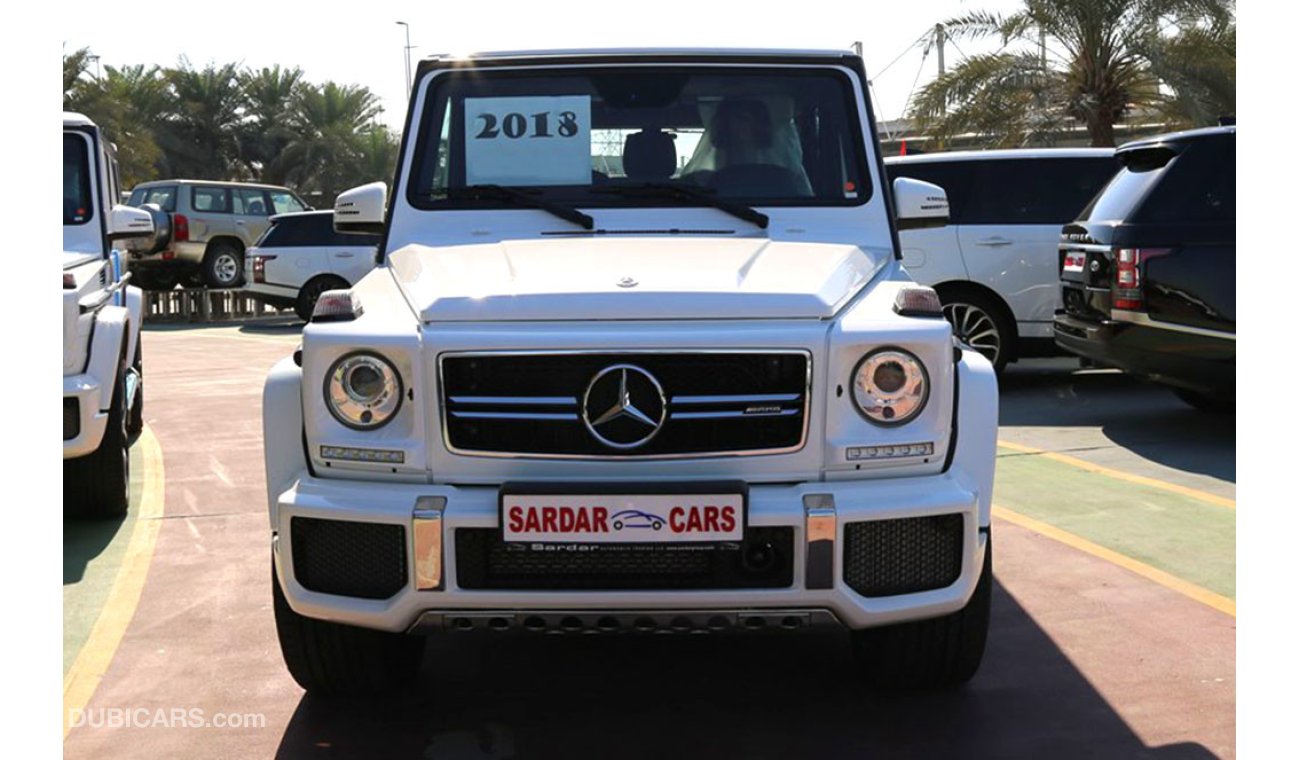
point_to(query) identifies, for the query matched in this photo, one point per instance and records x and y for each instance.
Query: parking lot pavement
(1087, 656)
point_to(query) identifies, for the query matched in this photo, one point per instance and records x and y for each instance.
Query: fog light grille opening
(71, 419)
(364, 560)
(890, 557)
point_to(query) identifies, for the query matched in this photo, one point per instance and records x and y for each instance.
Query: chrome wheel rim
(975, 328)
(226, 268)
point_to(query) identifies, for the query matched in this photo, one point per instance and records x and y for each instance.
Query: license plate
(622, 518)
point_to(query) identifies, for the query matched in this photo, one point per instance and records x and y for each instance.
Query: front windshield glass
(760, 136)
(76, 180)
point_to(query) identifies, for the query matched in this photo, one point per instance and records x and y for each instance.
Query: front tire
(97, 485)
(311, 291)
(332, 659)
(942, 652)
(223, 266)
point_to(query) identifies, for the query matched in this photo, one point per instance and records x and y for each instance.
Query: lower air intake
(890, 557)
(364, 560)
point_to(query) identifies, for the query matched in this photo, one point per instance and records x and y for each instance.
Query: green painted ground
(1180, 535)
(92, 554)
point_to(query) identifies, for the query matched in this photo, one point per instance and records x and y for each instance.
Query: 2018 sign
(528, 140)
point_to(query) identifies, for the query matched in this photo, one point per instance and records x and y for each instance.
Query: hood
(77, 258)
(604, 278)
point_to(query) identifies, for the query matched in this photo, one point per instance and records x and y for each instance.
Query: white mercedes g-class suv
(103, 397)
(638, 354)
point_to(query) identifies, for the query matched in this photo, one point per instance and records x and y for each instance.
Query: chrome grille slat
(570, 416)
(753, 398)
(519, 400)
(728, 414)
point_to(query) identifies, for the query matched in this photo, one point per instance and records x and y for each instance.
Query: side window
(1051, 191)
(211, 199)
(250, 202)
(1200, 185)
(953, 176)
(283, 233)
(285, 203)
(165, 197)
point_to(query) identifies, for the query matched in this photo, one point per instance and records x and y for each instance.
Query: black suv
(1149, 270)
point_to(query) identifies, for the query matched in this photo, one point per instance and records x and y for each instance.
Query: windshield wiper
(684, 191)
(522, 198)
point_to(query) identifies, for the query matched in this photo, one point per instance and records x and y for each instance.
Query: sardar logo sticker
(528, 140)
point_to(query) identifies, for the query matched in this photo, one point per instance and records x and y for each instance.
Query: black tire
(331, 659)
(223, 265)
(97, 485)
(135, 420)
(939, 653)
(311, 290)
(1214, 404)
(980, 322)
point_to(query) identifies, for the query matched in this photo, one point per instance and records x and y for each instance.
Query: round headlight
(890, 386)
(363, 391)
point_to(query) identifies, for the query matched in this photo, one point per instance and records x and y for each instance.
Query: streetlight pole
(407, 55)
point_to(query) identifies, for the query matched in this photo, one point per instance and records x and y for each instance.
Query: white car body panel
(635, 278)
(100, 328)
(1009, 259)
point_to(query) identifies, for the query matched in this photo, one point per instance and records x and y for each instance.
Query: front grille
(709, 402)
(762, 560)
(365, 560)
(71, 419)
(888, 557)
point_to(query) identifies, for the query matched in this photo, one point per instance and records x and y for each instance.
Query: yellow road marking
(1208, 498)
(1190, 590)
(95, 656)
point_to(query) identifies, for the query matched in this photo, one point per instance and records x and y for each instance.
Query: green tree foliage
(224, 122)
(1101, 60)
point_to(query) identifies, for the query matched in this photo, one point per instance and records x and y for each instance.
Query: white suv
(103, 397)
(301, 256)
(639, 355)
(995, 265)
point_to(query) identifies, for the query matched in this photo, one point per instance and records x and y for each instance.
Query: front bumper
(818, 583)
(90, 421)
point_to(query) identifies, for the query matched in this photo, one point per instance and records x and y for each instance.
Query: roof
(664, 51)
(217, 182)
(1173, 137)
(1001, 155)
(295, 214)
(74, 119)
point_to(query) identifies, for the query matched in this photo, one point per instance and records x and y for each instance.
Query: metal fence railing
(204, 305)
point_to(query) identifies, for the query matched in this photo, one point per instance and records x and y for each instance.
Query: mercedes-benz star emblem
(624, 406)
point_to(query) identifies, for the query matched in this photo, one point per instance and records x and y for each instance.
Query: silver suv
(210, 226)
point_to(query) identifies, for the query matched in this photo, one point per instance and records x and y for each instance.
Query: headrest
(649, 155)
(734, 110)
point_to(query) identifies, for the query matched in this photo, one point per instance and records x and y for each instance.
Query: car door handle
(993, 242)
(343, 255)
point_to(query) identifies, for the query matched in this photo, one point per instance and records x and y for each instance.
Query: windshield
(759, 136)
(76, 180)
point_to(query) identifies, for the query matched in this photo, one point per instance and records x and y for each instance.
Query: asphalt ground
(1113, 633)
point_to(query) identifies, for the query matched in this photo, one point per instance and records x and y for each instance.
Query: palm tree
(270, 126)
(73, 67)
(332, 120)
(1094, 65)
(199, 139)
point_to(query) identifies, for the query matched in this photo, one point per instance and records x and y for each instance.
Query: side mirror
(919, 204)
(361, 209)
(129, 222)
